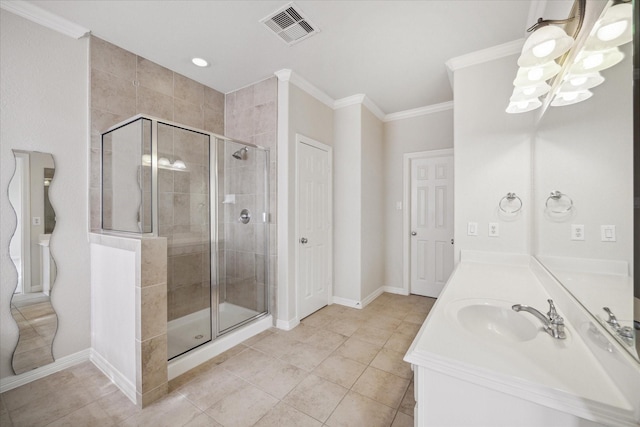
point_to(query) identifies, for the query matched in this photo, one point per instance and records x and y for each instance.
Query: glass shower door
(184, 219)
(242, 189)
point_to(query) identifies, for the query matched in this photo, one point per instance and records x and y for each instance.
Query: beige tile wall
(124, 84)
(251, 115)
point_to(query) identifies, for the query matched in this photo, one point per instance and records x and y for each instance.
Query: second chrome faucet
(552, 323)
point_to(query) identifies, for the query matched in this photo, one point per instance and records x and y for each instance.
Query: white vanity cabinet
(476, 362)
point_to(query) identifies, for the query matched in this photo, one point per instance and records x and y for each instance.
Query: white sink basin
(493, 319)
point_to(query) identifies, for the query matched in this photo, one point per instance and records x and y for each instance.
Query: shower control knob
(413, 233)
(303, 240)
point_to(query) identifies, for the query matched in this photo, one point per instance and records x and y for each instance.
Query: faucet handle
(553, 314)
(613, 321)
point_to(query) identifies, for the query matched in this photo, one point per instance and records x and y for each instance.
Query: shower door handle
(304, 240)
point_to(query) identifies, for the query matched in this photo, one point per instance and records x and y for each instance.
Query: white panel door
(431, 223)
(313, 220)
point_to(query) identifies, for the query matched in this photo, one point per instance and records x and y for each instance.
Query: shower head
(240, 153)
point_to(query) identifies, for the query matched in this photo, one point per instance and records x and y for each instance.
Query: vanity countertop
(561, 374)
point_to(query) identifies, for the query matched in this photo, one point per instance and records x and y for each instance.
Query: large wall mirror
(29, 250)
(583, 199)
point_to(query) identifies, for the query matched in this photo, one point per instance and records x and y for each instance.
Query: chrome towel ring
(507, 201)
(557, 196)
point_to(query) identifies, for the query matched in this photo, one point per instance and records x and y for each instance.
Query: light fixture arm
(579, 14)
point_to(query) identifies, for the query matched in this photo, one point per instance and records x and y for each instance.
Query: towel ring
(509, 198)
(556, 196)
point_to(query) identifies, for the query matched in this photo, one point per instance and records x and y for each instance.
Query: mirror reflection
(585, 151)
(29, 250)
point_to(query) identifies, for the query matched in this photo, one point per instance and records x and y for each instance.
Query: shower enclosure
(208, 196)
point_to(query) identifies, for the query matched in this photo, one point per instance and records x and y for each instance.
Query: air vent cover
(290, 24)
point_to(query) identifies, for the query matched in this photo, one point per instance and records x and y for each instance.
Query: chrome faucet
(624, 332)
(553, 322)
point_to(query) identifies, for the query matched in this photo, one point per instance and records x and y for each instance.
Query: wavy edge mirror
(36, 269)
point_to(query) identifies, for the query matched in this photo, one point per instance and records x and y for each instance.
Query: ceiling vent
(290, 24)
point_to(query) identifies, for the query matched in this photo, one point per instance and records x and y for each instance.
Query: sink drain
(199, 337)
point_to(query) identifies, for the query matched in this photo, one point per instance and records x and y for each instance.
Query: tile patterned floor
(340, 367)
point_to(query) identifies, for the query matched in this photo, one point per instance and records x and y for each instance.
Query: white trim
(371, 106)
(349, 100)
(416, 112)
(347, 302)
(302, 139)
(282, 202)
(485, 55)
(287, 75)
(406, 216)
(373, 295)
(121, 381)
(287, 325)
(43, 17)
(395, 290)
(9, 383)
(198, 356)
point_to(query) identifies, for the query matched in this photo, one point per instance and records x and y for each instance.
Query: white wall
(298, 113)
(44, 108)
(423, 133)
(372, 241)
(492, 156)
(586, 151)
(347, 205)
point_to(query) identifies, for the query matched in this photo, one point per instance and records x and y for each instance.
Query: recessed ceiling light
(200, 62)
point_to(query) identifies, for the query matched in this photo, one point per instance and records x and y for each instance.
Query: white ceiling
(392, 51)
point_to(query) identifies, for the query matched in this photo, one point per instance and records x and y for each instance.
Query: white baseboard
(287, 325)
(122, 382)
(347, 302)
(65, 362)
(395, 290)
(373, 295)
(190, 360)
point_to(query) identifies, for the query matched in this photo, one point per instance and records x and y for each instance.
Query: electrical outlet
(608, 233)
(494, 229)
(577, 232)
(472, 229)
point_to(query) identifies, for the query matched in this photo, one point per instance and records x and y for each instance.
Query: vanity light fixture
(579, 82)
(199, 62)
(165, 163)
(613, 29)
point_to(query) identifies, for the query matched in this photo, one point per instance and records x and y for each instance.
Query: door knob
(303, 240)
(413, 233)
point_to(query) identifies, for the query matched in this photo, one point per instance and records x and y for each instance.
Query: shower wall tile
(264, 92)
(102, 120)
(165, 209)
(153, 313)
(154, 103)
(112, 93)
(166, 179)
(213, 120)
(214, 100)
(112, 59)
(267, 140)
(188, 113)
(181, 211)
(154, 76)
(264, 115)
(188, 90)
(154, 261)
(153, 356)
(244, 99)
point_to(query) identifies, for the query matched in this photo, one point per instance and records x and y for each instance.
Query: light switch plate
(398, 206)
(608, 233)
(36, 220)
(577, 231)
(472, 229)
(494, 229)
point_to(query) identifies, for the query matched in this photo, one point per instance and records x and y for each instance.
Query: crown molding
(485, 55)
(45, 18)
(416, 112)
(286, 75)
(363, 99)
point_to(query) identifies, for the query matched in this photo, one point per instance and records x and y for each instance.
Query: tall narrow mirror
(29, 250)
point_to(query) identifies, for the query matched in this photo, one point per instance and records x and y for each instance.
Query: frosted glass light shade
(568, 98)
(592, 61)
(545, 44)
(524, 93)
(613, 29)
(529, 76)
(579, 82)
(523, 106)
